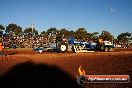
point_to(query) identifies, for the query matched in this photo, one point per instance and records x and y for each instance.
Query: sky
(114, 16)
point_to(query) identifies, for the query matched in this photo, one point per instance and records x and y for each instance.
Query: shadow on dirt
(30, 75)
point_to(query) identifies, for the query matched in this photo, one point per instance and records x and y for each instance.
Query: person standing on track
(1, 50)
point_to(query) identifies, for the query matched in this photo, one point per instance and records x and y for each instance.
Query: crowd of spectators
(36, 41)
(24, 41)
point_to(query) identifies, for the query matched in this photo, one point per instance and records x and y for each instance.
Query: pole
(32, 28)
(32, 32)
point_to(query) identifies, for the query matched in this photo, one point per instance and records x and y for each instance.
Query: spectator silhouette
(30, 75)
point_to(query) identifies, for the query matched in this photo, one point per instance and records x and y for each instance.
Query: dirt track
(97, 63)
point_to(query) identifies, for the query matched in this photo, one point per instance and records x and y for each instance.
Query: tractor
(59, 46)
(76, 46)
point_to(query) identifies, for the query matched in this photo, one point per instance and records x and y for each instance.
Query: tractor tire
(74, 48)
(62, 47)
(106, 49)
(110, 49)
(102, 48)
(50, 50)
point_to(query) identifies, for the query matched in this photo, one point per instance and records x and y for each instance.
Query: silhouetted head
(30, 75)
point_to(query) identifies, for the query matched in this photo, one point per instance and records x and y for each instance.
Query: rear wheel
(102, 48)
(62, 47)
(106, 49)
(110, 49)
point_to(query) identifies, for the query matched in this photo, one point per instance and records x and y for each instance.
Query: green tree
(124, 37)
(30, 32)
(2, 27)
(1, 31)
(64, 32)
(105, 35)
(81, 33)
(15, 29)
(71, 33)
(43, 32)
(94, 36)
(51, 30)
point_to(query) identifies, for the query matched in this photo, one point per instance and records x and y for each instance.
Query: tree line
(80, 33)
